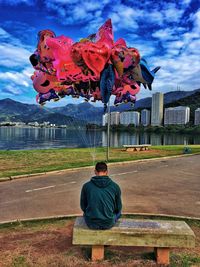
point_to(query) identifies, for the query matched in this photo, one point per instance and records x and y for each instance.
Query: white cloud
(155, 16)
(171, 13)
(145, 48)
(13, 56)
(12, 89)
(93, 13)
(15, 65)
(186, 2)
(94, 25)
(16, 2)
(3, 33)
(12, 52)
(180, 60)
(76, 12)
(164, 34)
(19, 78)
(174, 45)
(196, 19)
(124, 17)
(182, 70)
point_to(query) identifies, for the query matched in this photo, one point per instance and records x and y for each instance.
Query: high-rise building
(197, 116)
(130, 117)
(145, 117)
(105, 119)
(177, 115)
(157, 109)
(114, 118)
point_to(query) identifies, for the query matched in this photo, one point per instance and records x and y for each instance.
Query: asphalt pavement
(161, 186)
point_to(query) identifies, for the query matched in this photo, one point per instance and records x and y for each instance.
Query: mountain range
(11, 110)
(14, 111)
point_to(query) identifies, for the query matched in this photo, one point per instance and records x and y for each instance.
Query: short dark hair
(101, 167)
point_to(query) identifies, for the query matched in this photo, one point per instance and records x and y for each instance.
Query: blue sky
(166, 33)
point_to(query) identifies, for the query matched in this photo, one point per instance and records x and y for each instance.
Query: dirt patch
(51, 246)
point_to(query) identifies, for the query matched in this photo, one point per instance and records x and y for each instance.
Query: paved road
(164, 186)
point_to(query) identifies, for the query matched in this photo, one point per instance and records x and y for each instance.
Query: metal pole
(108, 131)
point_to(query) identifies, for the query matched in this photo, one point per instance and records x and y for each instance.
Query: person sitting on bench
(100, 200)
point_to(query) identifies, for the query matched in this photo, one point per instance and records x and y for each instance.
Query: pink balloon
(43, 82)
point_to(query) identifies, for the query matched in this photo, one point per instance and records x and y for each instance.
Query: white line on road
(47, 187)
(122, 173)
(40, 188)
(72, 182)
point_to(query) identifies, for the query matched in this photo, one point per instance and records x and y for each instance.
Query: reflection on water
(42, 138)
(118, 139)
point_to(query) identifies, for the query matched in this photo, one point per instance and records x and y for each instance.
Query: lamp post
(108, 131)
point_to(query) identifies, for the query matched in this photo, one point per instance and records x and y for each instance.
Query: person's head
(101, 169)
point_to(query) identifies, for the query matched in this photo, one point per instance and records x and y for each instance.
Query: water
(14, 138)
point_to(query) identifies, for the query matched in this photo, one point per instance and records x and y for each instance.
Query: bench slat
(136, 147)
(144, 145)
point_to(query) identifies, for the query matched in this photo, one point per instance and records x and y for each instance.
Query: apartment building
(157, 109)
(145, 117)
(177, 115)
(130, 117)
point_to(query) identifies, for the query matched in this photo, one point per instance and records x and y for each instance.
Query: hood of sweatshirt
(101, 181)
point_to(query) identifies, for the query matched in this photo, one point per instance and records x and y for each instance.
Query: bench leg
(162, 255)
(97, 253)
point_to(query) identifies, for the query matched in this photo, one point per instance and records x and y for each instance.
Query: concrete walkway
(162, 186)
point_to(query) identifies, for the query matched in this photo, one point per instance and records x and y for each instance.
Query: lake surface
(14, 138)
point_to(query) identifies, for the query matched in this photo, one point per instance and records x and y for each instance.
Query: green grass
(184, 260)
(42, 223)
(34, 224)
(19, 162)
(20, 261)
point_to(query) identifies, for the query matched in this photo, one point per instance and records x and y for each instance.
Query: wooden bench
(137, 147)
(160, 235)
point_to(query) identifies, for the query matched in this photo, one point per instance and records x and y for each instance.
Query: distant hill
(11, 110)
(169, 97)
(83, 113)
(192, 101)
(93, 114)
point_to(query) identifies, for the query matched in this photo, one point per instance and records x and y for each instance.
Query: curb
(10, 178)
(60, 217)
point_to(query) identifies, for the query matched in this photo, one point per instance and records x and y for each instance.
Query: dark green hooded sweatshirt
(100, 202)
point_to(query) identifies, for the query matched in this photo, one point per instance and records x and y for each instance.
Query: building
(177, 115)
(145, 117)
(197, 116)
(105, 119)
(157, 109)
(130, 117)
(34, 124)
(114, 118)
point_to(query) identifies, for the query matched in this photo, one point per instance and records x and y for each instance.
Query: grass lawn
(48, 243)
(19, 162)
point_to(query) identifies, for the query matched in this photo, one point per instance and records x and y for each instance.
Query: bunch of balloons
(95, 68)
